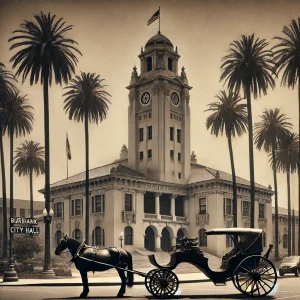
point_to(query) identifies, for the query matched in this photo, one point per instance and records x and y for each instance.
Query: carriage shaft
(109, 265)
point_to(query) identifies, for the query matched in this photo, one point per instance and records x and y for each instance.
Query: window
(98, 204)
(202, 206)
(149, 64)
(58, 236)
(149, 129)
(179, 175)
(58, 210)
(98, 236)
(172, 154)
(141, 155)
(128, 235)
(285, 241)
(77, 207)
(150, 153)
(170, 64)
(246, 208)
(141, 131)
(179, 156)
(22, 212)
(229, 241)
(171, 133)
(76, 234)
(227, 206)
(202, 238)
(178, 135)
(128, 202)
(261, 211)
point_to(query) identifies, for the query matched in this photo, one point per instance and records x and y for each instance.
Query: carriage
(252, 273)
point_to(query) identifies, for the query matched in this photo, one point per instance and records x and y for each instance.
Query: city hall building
(157, 192)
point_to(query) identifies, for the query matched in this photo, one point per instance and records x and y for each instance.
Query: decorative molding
(77, 224)
(128, 217)
(262, 223)
(58, 226)
(202, 220)
(97, 222)
(246, 221)
(141, 192)
(228, 220)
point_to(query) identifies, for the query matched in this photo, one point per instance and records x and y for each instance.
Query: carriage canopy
(249, 240)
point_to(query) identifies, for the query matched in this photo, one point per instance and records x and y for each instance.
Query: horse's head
(62, 245)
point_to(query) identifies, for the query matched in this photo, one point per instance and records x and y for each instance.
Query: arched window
(128, 235)
(58, 236)
(285, 241)
(202, 238)
(98, 236)
(264, 239)
(229, 241)
(76, 234)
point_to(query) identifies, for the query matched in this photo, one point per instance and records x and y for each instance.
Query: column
(173, 241)
(157, 205)
(173, 206)
(157, 242)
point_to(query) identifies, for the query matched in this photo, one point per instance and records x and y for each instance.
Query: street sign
(19, 220)
(25, 230)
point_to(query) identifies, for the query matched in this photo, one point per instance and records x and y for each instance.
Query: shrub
(24, 246)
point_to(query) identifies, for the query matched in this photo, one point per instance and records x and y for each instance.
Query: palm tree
(7, 88)
(286, 161)
(18, 121)
(287, 58)
(45, 53)
(86, 101)
(269, 132)
(249, 67)
(229, 116)
(28, 159)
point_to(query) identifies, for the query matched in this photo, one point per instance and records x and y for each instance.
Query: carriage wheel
(255, 276)
(163, 283)
(147, 279)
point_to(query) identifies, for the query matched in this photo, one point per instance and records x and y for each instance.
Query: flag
(153, 18)
(68, 149)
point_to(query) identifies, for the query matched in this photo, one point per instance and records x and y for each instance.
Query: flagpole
(67, 156)
(159, 21)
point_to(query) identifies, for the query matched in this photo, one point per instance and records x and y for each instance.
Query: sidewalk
(186, 273)
(97, 281)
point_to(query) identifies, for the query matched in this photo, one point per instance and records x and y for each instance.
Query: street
(287, 288)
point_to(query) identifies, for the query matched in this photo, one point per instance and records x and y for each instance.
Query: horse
(110, 257)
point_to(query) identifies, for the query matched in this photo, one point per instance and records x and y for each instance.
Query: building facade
(156, 192)
(283, 231)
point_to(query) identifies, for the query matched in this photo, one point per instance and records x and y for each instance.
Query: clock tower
(159, 114)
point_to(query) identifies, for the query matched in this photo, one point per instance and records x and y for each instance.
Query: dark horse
(114, 257)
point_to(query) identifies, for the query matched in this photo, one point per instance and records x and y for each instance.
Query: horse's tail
(130, 279)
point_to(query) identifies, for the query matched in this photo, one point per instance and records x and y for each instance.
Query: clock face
(145, 99)
(175, 99)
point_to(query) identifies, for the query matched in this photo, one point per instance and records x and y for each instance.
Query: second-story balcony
(165, 218)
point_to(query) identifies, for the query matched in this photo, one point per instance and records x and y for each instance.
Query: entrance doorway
(180, 234)
(165, 241)
(149, 242)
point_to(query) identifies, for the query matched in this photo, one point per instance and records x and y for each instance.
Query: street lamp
(121, 238)
(48, 215)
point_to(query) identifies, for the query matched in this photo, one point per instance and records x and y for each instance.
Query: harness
(83, 246)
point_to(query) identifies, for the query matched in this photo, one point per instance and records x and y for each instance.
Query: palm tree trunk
(289, 213)
(11, 187)
(293, 234)
(4, 208)
(276, 201)
(299, 167)
(31, 194)
(47, 169)
(87, 214)
(251, 158)
(233, 180)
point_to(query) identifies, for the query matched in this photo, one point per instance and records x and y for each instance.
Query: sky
(110, 35)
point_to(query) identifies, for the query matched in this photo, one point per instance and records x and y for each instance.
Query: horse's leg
(123, 284)
(85, 284)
